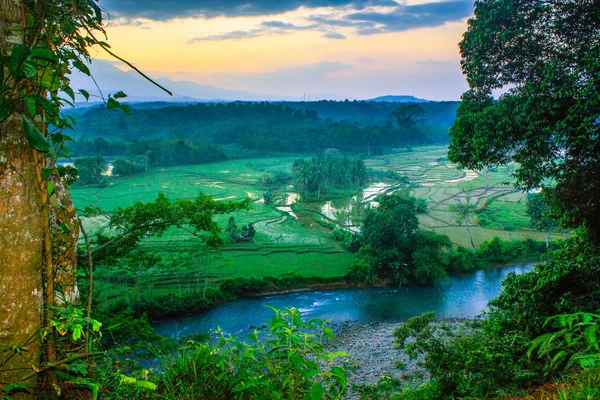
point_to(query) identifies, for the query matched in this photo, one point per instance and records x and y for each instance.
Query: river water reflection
(464, 296)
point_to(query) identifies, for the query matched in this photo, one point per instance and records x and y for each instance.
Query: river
(464, 296)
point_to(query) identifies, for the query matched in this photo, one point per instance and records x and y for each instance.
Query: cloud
(366, 60)
(336, 80)
(163, 10)
(337, 20)
(370, 21)
(265, 28)
(334, 35)
(228, 36)
(404, 18)
(287, 25)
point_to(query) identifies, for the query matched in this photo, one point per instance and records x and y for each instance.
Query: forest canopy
(266, 127)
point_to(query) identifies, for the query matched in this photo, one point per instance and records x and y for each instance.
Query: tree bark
(21, 232)
(469, 233)
(27, 245)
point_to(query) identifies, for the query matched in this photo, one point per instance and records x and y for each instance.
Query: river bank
(373, 354)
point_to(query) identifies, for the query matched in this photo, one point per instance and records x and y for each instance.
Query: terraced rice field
(294, 242)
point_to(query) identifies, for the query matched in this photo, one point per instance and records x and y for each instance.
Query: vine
(37, 54)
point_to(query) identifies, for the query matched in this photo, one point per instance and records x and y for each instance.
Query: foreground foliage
(544, 322)
(287, 361)
(547, 53)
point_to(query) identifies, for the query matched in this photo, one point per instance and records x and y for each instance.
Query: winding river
(465, 296)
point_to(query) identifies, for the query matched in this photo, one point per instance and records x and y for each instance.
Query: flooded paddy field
(294, 235)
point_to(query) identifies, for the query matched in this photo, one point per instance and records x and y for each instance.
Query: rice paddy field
(296, 237)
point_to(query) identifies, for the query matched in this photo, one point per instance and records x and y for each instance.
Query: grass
(303, 246)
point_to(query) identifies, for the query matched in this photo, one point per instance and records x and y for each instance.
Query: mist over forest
(261, 127)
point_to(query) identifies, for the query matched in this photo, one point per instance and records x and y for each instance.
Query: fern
(574, 341)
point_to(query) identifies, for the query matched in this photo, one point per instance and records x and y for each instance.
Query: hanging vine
(36, 58)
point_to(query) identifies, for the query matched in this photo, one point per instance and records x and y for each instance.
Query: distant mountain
(398, 99)
(111, 79)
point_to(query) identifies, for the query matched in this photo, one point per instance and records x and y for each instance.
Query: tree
(408, 116)
(123, 167)
(393, 247)
(141, 220)
(537, 209)
(301, 175)
(232, 231)
(318, 173)
(91, 170)
(545, 55)
(463, 212)
(39, 43)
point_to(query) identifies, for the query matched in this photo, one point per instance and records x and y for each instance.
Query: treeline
(140, 155)
(438, 113)
(262, 127)
(323, 172)
(392, 246)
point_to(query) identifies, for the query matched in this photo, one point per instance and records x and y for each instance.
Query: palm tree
(358, 173)
(341, 216)
(357, 203)
(463, 212)
(301, 174)
(318, 176)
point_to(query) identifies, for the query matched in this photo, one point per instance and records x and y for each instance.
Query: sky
(334, 49)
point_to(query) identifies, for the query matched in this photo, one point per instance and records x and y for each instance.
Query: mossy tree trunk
(28, 271)
(21, 231)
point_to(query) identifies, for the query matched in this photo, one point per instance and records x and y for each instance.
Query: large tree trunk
(21, 232)
(32, 259)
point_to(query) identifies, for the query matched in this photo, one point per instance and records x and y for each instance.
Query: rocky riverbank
(371, 346)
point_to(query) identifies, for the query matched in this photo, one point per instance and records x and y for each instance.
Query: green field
(301, 243)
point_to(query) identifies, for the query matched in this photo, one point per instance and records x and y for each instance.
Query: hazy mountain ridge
(398, 99)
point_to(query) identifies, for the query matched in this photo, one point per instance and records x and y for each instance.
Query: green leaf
(146, 385)
(127, 379)
(77, 330)
(34, 136)
(97, 11)
(29, 69)
(81, 67)
(43, 53)
(296, 360)
(78, 367)
(5, 110)
(64, 228)
(95, 325)
(119, 95)
(49, 80)
(340, 354)
(112, 104)
(48, 106)
(85, 94)
(126, 108)
(18, 54)
(47, 172)
(70, 93)
(69, 27)
(17, 388)
(30, 106)
(317, 392)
